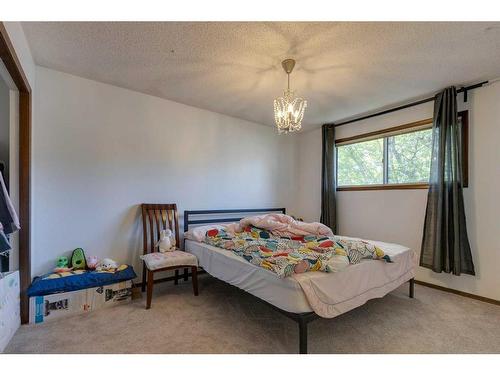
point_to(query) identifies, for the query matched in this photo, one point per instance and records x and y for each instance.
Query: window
(394, 158)
(409, 157)
(361, 163)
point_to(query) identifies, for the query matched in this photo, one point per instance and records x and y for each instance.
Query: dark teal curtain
(328, 179)
(445, 245)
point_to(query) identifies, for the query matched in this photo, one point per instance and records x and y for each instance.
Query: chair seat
(156, 261)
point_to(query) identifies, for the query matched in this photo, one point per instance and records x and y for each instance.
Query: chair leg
(185, 274)
(144, 273)
(150, 289)
(176, 278)
(412, 288)
(194, 277)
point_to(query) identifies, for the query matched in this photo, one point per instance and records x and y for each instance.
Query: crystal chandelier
(288, 110)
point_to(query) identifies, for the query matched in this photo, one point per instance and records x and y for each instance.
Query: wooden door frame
(9, 57)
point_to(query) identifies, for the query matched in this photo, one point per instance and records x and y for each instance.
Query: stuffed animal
(107, 265)
(78, 261)
(167, 241)
(62, 265)
(92, 262)
(62, 262)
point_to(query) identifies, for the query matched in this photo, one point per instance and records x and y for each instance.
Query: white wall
(99, 151)
(21, 46)
(398, 215)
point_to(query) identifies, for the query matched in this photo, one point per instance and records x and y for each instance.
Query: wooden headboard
(200, 217)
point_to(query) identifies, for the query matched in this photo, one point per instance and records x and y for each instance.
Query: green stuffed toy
(78, 261)
(62, 262)
(62, 265)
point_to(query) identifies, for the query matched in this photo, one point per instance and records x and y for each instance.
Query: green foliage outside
(410, 157)
(363, 163)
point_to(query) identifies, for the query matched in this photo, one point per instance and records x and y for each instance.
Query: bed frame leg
(412, 288)
(302, 336)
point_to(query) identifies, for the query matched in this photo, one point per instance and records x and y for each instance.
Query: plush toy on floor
(167, 241)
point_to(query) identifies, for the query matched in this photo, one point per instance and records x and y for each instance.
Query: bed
(304, 297)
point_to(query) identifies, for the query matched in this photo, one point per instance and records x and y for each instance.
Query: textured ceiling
(343, 69)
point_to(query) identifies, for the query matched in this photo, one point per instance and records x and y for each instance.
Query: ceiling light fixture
(288, 110)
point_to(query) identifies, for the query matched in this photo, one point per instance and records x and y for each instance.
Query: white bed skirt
(327, 294)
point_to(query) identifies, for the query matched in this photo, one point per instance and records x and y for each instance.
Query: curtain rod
(422, 101)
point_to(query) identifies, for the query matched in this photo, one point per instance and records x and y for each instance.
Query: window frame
(463, 116)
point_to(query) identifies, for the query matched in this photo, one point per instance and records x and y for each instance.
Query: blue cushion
(89, 279)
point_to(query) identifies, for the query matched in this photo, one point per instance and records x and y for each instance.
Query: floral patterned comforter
(288, 255)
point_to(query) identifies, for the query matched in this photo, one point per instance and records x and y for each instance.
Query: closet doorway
(20, 144)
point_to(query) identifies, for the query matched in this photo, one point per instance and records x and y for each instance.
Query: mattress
(333, 293)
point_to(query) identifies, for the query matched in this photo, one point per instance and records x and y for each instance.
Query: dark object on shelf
(5, 175)
(4, 261)
(4, 256)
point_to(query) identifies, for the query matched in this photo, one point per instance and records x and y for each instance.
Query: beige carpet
(224, 319)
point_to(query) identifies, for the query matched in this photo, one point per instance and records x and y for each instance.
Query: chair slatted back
(155, 218)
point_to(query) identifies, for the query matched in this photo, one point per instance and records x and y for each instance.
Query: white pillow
(198, 233)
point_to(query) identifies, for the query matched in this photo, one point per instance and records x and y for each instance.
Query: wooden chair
(155, 218)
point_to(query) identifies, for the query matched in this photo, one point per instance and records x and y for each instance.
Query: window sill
(384, 187)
